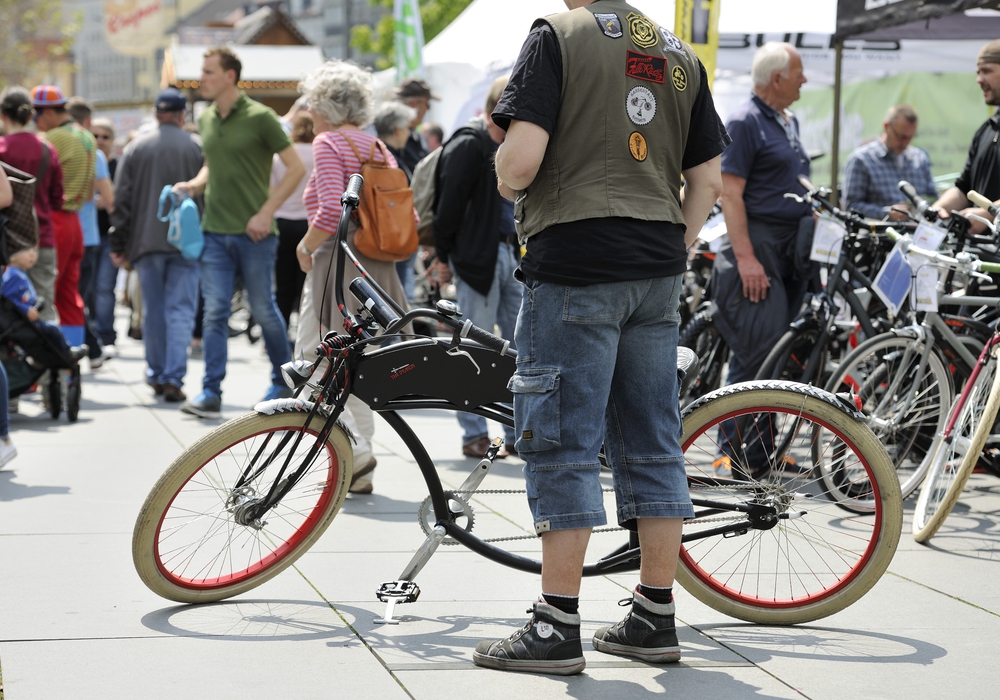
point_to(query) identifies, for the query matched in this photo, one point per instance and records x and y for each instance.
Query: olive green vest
(628, 87)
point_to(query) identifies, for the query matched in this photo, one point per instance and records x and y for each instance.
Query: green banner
(409, 40)
(949, 106)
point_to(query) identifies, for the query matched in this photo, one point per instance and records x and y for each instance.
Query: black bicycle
(245, 501)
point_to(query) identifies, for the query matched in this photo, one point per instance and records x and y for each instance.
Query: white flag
(409, 40)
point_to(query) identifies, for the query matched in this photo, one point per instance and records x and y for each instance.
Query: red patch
(643, 67)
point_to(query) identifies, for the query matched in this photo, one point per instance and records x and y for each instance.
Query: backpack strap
(354, 148)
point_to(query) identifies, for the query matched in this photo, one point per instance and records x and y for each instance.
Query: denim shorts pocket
(536, 408)
(672, 312)
(593, 304)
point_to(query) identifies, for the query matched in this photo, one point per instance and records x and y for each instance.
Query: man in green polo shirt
(239, 139)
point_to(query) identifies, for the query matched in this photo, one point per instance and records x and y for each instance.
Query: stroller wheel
(73, 395)
(53, 393)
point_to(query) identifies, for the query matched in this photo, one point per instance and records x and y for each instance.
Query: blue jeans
(497, 308)
(169, 302)
(224, 256)
(104, 294)
(404, 268)
(597, 365)
(4, 399)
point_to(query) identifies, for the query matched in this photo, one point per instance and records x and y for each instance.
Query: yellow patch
(642, 31)
(637, 146)
(679, 78)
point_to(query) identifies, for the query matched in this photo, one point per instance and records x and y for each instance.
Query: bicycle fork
(404, 589)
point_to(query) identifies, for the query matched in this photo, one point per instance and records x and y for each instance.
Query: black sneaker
(647, 633)
(549, 643)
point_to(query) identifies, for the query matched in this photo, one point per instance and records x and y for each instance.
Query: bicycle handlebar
(983, 203)
(962, 262)
(925, 209)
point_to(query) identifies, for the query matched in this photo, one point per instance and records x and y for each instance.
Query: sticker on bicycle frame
(644, 67)
(641, 31)
(679, 78)
(925, 288)
(637, 146)
(610, 25)
(928, 236)
(892, 284)
(640, 105)
(671, 42)
(827, 239)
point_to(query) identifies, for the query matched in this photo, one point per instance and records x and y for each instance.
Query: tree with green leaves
(380, 39)
(33, 35)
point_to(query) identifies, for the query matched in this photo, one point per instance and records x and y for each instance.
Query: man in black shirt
(982, 168)
(594, 168)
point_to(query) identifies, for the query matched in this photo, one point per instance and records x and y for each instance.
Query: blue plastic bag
(185, 225)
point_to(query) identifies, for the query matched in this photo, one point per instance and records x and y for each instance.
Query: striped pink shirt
(333, 164)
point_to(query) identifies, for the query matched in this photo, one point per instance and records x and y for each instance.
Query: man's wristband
(302, 249)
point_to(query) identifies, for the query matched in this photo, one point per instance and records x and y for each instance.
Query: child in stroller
(30, 347)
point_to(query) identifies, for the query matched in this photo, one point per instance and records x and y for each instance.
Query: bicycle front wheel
(905, 411)
(804, 558)
(193, 542)
(956, 457)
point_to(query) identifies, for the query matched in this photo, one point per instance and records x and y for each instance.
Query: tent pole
(835, 140)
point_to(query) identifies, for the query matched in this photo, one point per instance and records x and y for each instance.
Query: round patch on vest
(679, 78)
(637, 146)
(544, 629)
(640, 105)
(641, 31)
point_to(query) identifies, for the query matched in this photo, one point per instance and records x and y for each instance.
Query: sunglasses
(37, 114)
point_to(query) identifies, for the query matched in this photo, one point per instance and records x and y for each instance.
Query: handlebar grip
(494, 343)
(352, 195)
(911, 193)
(983, 203)
(376, 306)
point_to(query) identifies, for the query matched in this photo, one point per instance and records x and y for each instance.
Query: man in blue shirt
(757, 282)
(873, 171)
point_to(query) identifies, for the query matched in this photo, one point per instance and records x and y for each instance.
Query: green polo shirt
(77, 151)
(238, 151)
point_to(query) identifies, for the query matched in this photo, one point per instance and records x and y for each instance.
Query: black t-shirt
(612, 249)
(981, 172)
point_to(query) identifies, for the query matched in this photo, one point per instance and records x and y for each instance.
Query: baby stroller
(27, 355)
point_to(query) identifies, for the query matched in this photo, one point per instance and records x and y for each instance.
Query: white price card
(892, 284)
(827, 239)
(925, 288)
(927, 236)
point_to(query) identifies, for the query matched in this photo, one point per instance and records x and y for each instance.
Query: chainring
(427, 519)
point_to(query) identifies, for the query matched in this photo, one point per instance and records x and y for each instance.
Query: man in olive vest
(605, 111)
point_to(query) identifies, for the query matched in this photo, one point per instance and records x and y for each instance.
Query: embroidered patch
(641, 31)
(637, 146)
(671, 42)
(679, 78)
(640, 105)
(643, 67)
(610, 25)
(544, 629)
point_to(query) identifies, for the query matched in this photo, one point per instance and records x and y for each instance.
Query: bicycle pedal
(398, 591)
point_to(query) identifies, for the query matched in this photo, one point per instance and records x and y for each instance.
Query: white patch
(545, 630)
(640, 105)
(671, 42)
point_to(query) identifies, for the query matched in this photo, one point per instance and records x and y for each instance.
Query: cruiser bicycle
(245, 501)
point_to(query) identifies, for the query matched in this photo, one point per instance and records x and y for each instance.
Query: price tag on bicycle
(827, 239)
(892, 284)
(925, 284)
(928, 237)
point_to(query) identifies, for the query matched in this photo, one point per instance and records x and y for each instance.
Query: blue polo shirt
(770, 158)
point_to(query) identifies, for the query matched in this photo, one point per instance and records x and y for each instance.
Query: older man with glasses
(873, 171)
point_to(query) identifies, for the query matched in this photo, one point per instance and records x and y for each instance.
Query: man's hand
(117, 259)
(184, 188)
(305, 261)
(755, 282)
(442, 272)
(33, 314)
(259, 226)
(505, 191)
(899, 215)
(976, 227)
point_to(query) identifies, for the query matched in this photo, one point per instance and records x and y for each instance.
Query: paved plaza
(76, 621)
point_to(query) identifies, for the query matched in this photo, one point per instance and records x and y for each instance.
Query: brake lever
(989, 224)
(797, 198)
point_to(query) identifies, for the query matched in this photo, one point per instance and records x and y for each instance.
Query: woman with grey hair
(339, 95)
(392, 123)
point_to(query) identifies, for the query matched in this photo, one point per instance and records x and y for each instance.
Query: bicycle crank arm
(474, 479)
(404, 590)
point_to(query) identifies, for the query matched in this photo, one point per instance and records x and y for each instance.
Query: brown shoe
(173, 393)
(511, 450)
(156, 386)
(361, 480)
(477, 449)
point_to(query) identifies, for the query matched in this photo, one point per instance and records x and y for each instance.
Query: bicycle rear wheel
(813, 560)
(905, 413)
(190, 543)
(703, 337)
(955, 458)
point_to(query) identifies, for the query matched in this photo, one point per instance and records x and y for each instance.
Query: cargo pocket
(536, 404)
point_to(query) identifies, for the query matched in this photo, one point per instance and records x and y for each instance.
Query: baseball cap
(171, 100)
(47, 96)
(414, 87)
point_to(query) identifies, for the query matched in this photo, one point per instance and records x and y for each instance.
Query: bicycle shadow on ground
(11, 491)
(759, 643)
(252, 620)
